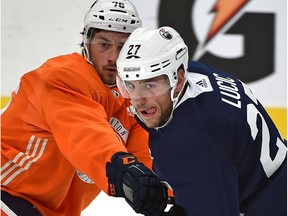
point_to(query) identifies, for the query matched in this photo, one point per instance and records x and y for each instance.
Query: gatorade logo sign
(237, 36)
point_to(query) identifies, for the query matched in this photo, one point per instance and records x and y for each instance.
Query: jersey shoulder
(230, 89)
(71, 73)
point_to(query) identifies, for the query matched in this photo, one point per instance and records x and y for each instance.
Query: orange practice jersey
(61, 127)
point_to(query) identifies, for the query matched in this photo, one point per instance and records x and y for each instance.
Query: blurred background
(247, 38)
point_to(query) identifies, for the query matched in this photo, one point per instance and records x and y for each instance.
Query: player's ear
(180, 82)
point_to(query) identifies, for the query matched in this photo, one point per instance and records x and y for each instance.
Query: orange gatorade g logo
(128, 160)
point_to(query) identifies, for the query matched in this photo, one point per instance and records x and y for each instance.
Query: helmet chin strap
(86, 53)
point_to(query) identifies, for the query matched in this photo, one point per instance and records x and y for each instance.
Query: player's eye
(150, 86)
(105, 44)
(130, 86)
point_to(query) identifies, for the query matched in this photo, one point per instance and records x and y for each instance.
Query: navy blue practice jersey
(221, 152)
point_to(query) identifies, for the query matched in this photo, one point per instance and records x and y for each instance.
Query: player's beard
(165, 115)
(162, 114)
(108, 74)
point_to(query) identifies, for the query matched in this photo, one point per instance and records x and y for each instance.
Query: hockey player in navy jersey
(210, 138)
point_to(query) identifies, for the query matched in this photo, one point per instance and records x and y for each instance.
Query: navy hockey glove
(140, 187)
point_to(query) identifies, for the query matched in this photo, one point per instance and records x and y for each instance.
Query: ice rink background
(33, 31)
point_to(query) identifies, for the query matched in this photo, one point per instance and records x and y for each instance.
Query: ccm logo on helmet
(116, 19)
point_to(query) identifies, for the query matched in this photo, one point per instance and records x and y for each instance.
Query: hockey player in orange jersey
(67, 133)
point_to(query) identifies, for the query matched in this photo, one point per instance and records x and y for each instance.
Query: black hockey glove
(140, 187)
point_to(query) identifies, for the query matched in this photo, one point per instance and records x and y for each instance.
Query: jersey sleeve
(79, 123)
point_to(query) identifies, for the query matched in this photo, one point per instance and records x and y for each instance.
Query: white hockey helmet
(119, 16)
(151, 53)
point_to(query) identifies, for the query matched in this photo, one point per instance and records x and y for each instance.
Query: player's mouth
(111, 70)
(147, 113)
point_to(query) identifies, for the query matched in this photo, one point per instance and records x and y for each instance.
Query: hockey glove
(140, 187)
